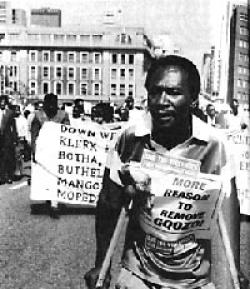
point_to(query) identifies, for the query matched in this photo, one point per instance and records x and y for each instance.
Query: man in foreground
(173, 85)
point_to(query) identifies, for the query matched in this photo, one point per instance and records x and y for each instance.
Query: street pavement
(37, 252)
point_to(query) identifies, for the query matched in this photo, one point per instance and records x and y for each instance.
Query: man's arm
(34, 130)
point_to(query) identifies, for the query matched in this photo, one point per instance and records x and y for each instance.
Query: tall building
(92, 64)
(46, 17)
(239, 56)
(5, 12)
(18, 16)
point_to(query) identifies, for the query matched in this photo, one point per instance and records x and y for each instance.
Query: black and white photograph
(124, 144)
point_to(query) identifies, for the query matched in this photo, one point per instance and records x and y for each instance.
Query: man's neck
(171, 138)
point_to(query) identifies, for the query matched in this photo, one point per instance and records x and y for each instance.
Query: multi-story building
(94, 65)
(5, 12)
(18, 16)
(46, 17)
(211, 73)
(239, 56)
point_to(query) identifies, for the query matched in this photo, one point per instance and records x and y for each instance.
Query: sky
(192, 24)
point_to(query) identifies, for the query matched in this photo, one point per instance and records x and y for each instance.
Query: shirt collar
(201, 130)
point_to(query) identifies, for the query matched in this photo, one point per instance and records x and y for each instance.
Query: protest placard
(70, 163)
(240, 145)
(185, 201)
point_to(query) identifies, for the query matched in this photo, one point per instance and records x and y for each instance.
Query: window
(45, 37)
(243, 16)
(58, 72)
(123, 38)
(244, 30)
(32, 87)
(84, 73)
(131, 59)
(122, 89)
(45, 72)
(71, 88)
(113, 89)
(122, 73)
(131, 90)
(59, 57)
(33, 56)
(45, 88)
(131, 74)
(243, 57)
(84, 38)
(71, 73)
(71, 57)
(242, 83)
(123, 59)
(97, 38)
(97, 74)
(13, 56)
(33, 37)
(83, 88)
(13, 71)
(113, 73)
(58, 88)
(97, 58)
(33, 72)
(71, 37)
(243, 70)
(1, 55)
(97, 89)
(243, 44)
(84, 57)
(59, 37)
(46, 56)
(114, 58)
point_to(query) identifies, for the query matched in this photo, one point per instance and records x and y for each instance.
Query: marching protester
(173, 84)
(235, 119)
(211, 114)
(8, 138)
(49, 112)
(22, 135)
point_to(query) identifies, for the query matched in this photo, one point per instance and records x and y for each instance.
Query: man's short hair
(174, 60)
(4, 97)
(49, 99)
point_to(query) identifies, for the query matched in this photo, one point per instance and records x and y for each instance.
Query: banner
(70, 162)
(185, 201)
(240, 145)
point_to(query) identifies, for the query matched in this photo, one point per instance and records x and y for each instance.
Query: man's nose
(164, 98)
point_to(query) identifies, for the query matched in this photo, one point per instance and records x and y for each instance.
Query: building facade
(239, 56)
(72, 63)
(46, 17)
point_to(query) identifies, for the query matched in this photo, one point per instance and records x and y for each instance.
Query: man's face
(169, 97)
(211, 111)
(2, 104)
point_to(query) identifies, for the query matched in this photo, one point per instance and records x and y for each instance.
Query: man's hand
(91, 278)
(137, 184)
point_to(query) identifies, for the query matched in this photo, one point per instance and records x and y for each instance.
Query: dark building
(239, 56)
(46, 17)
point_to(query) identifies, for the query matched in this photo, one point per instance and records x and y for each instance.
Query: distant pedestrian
(8, 138)
(235, 119)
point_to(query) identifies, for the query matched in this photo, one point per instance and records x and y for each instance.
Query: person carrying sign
(50, 112)
(151, 259)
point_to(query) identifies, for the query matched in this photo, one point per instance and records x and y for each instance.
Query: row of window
(85, 57)
(84, 89)
(243, 44)
(121, 74)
